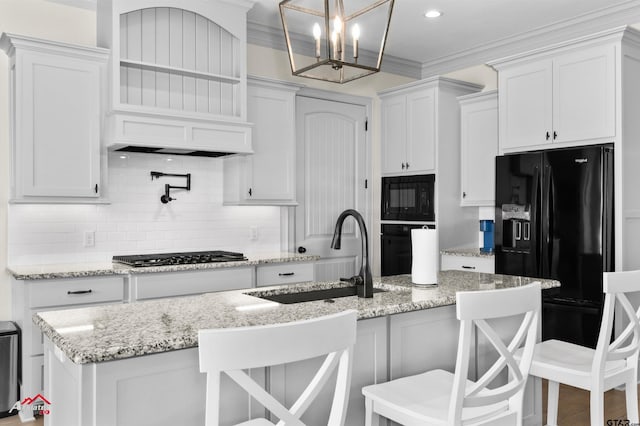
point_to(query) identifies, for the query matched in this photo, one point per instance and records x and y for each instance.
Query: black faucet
(363, 281)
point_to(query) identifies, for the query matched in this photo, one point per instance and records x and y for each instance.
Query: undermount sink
(309, 296)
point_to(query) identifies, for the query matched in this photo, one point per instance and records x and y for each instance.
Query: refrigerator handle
(545, 247)
(535, 218)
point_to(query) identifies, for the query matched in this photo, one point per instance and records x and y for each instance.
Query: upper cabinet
(409, 132)
(55, 103)
(478, 148)
(268, 176)
(178, 74)
(559, 96)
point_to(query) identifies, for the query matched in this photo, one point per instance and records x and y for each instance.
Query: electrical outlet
(89, 238)
(253, 233)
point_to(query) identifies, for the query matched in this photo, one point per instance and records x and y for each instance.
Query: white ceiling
(480, 30)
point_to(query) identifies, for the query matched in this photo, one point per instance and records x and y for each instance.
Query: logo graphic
(38, 404)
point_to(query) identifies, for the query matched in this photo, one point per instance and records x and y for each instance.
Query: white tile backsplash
(137, 222)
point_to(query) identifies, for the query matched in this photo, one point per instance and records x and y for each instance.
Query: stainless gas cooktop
(162, 259)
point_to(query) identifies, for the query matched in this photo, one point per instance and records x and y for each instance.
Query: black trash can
(9, 367)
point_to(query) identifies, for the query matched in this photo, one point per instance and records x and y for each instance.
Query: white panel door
(394, 134)
(331, 161)
(584, 87)
(58, 130)
(421, 131)
(525, 105)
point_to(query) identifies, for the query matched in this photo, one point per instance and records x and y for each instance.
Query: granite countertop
(468, 252)
(77, 270)
(110, 332)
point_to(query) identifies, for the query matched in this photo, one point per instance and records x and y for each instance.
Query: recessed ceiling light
(433, 13)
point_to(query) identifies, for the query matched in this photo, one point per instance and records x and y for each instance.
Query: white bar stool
(439, 397)
(231, 350)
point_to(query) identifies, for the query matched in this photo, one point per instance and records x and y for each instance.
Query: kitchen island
(138, 363)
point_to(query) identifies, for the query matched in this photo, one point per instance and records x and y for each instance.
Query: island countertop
(110, 332)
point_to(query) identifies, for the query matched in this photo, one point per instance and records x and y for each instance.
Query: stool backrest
(233, 350)
(474, 308)
(616, 285)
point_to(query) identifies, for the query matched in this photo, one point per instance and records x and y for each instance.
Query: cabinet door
(584, 95)
(369, 367)
(479, 147)
(394, 134)
(423, 340)
(525, 105)
(421, 132)
(271, 168)
(57, 140)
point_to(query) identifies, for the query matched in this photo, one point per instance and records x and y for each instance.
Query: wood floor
(573, 411)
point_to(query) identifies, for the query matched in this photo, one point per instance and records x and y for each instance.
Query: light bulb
(337, 24)
(316, 34)
(355, 32)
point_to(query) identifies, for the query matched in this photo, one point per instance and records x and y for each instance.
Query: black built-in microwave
(408, 198)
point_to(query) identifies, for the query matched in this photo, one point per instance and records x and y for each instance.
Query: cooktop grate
(184, 258)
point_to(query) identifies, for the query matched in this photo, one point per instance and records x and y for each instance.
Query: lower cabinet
(171, 284)
(285, 273)
(423, 340)
(467, 263)
(369, 367)
(31, 296)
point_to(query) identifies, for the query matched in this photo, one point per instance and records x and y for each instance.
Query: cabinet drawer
(286, 273)
(76, 291)
(169, 284)
(467, 263)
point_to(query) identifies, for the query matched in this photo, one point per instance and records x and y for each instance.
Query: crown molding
(576, 27)
(273, 38)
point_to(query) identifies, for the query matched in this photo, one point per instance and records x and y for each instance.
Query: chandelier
(335, 40)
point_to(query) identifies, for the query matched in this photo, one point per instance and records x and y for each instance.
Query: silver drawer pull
(286, 274)
(468, 267)
(80, 291)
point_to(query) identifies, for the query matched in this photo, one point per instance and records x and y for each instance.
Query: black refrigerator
(554, 219)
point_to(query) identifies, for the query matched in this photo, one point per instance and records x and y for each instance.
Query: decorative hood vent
(177, 76)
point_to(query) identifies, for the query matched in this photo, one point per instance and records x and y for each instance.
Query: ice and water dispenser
(516, 227)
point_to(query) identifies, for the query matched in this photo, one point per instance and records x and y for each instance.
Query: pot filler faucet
(362, 281)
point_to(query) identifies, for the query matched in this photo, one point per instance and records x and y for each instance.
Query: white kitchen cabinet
(485, 264)
(409, 132)
(565, 97)
(31, 296)
(55, 104)
(369, 367)
(478, 148)
(429, 111)
(268, 176)
(422, 341)
(184, 283)
(285, 273)
(177, 74)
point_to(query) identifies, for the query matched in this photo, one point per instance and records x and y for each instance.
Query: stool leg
(631, 394)
(370, 418)
(553, 392)
(597, 407)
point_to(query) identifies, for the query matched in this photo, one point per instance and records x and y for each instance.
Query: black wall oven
(396, 248)
(408, 198)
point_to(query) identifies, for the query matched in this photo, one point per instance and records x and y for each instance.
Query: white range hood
(177, 76)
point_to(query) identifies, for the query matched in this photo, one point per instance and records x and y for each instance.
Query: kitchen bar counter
(110, 332)
(77, 270)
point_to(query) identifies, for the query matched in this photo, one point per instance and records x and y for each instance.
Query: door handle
(286, 274)
(80, 291)
(302, 250)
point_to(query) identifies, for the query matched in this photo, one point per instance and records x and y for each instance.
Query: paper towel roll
(424, 261)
